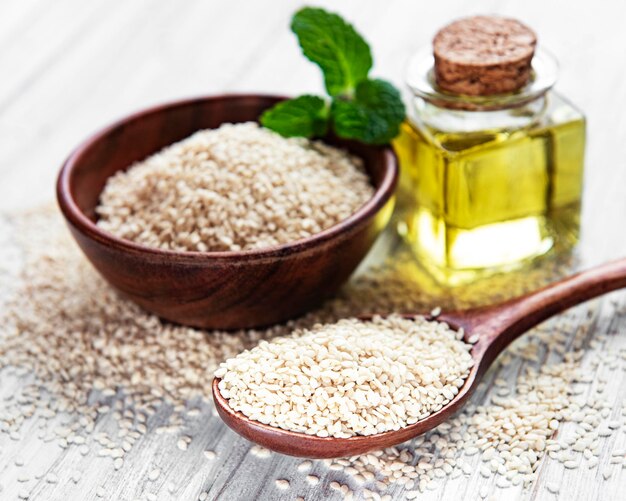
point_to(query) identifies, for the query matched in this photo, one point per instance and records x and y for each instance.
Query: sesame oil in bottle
(488, 181)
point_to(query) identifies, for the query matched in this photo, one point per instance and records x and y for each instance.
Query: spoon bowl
(490, 329)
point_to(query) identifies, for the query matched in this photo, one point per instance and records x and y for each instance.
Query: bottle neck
(423, 112)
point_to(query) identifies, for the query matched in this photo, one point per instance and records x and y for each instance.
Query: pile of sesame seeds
(238, 187)
(562, 375)
(353, 377)
(96, 356)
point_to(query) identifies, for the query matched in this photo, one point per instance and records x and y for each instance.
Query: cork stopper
(483, 56)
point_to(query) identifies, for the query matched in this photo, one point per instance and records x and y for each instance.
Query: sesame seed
(260, 452)
(312, 480)
(473, 339)
(305, 465)
(282, 484)
(553, 487)
(502, 483)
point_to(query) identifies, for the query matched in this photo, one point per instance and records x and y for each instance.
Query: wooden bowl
(219, 290)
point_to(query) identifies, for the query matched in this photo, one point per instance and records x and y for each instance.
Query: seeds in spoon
(349, 378)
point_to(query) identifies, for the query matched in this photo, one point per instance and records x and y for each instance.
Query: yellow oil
(472, 202)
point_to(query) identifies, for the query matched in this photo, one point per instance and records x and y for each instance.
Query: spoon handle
(498, 325)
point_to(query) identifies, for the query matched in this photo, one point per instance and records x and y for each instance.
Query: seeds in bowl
(238, 187)
(349, 378)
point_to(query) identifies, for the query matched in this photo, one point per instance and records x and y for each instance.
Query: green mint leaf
(335, 46)
(373, 116)
(305, 116)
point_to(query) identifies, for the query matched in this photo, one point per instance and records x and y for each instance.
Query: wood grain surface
(69, 67)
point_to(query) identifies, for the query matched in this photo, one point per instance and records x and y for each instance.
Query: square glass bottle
(488, 182)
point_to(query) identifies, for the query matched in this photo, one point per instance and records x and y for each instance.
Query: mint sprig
(373, 116)
(335, 46)
(305, 116)
(360, 108)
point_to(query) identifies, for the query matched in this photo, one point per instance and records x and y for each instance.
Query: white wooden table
(68, 67)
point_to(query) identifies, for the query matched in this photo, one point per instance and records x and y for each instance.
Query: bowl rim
(76, 217)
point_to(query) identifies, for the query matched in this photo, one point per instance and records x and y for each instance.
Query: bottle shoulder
(456, 131)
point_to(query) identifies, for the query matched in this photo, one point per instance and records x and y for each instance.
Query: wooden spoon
(494, 326)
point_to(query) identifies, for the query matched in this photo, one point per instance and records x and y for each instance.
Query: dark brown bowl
(220, 290)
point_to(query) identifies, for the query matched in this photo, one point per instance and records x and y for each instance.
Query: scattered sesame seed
(312, 480)
(502, 483)
(260, 452)
(282, 484)
(51, 478)
(304, 466)
(553, 487)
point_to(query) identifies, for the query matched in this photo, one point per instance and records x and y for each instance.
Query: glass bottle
(488, 182)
